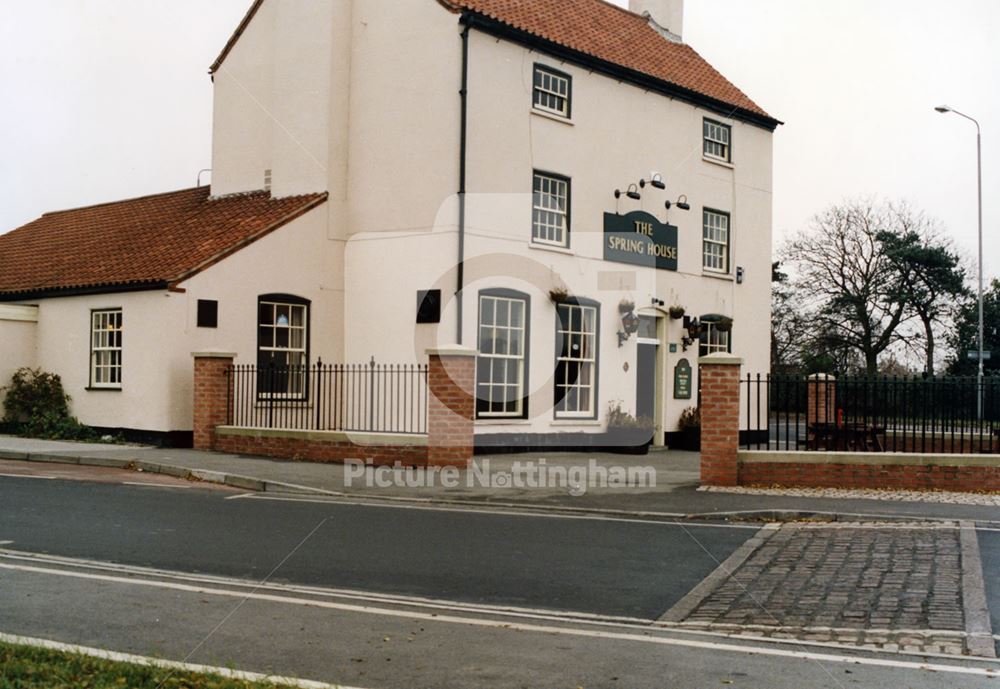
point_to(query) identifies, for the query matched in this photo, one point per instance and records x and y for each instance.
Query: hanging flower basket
(558, 295)
(724, 325)
(626, 306)
(676, 312)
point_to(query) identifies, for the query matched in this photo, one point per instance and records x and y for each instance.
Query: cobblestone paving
(895, 588)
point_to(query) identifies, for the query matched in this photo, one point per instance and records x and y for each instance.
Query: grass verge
(27, 667)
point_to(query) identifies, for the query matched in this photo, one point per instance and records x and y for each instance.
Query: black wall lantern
(693, 327)
(630, 322)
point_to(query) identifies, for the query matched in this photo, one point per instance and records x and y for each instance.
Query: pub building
(589, 210)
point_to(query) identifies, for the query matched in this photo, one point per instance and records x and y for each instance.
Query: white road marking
(6, 542)
(350, 594)
(525, 627)
(519, 511)
(226, 672)
(153, 485)
(26, 476)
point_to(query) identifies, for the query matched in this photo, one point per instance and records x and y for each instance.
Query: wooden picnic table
(846, 437)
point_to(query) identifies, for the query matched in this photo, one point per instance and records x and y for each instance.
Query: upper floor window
(282, 344)
(106, 348)
(550, 209)
(717, 140)
(500, 367)
(576, 360)
(552, 91)
(715, 254)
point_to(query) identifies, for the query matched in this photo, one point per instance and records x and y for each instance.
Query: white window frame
(106, 340)
(295, 355)
(713, 340)
(717, 140)
(550, 199)
(586, 360)
(549, 88)
(507, 331)
(716, 240)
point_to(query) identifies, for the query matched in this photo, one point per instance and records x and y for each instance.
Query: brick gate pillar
(211, 395)
(719, 375)
(821, 398)
(451, 405)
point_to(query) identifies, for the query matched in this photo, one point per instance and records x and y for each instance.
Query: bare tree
(853, 294)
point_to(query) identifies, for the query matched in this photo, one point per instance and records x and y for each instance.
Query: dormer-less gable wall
(272, 101)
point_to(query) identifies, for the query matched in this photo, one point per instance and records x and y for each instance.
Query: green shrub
(33, 393)
(619, 418)
(36, 405)
(690, 418)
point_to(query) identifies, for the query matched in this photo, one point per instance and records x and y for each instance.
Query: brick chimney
(667, 15)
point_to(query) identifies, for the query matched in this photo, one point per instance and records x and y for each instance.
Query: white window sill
(549, 247)
(502, 422)
(718, 276)
(574, 422)
(553, 117)
(718, 161)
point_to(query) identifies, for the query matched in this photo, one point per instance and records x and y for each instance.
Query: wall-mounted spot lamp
(681, 202)
(632, 192)
(656, 182)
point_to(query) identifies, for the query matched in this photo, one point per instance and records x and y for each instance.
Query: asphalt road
(465, 559)
(607, 567)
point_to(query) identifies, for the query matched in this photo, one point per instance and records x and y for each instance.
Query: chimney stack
(666, 14)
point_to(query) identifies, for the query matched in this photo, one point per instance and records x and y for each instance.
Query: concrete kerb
(143, 465)
(789, 515)
(975, 608)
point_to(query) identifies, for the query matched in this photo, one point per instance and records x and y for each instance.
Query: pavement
(675, 493)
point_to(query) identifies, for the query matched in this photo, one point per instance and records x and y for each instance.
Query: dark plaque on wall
(682, 380)
(428, 306)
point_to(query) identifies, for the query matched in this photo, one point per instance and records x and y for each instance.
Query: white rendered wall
(392, 152)
(18, 331)
(619, 133)
(271, 101)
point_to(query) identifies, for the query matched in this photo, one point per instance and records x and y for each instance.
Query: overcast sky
(107, 99)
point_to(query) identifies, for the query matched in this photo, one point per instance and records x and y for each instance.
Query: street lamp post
(979, 179)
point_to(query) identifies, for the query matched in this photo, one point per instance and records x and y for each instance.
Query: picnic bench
(846, 437)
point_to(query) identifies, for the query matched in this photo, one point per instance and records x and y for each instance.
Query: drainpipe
(463, 93)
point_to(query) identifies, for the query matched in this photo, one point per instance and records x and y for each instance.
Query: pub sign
(640, 239)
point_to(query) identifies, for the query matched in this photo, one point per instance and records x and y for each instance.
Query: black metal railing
(889, 414)
(377, 398)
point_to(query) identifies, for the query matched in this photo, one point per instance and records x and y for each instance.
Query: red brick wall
(968, 478)
(720, 422)
(211, 395)
(451, 409)
(321, 451)
(450, 420)
(821, 399)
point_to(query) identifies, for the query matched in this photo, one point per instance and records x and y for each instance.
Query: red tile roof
(152, 241)
(613, 35)
(604, 32)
